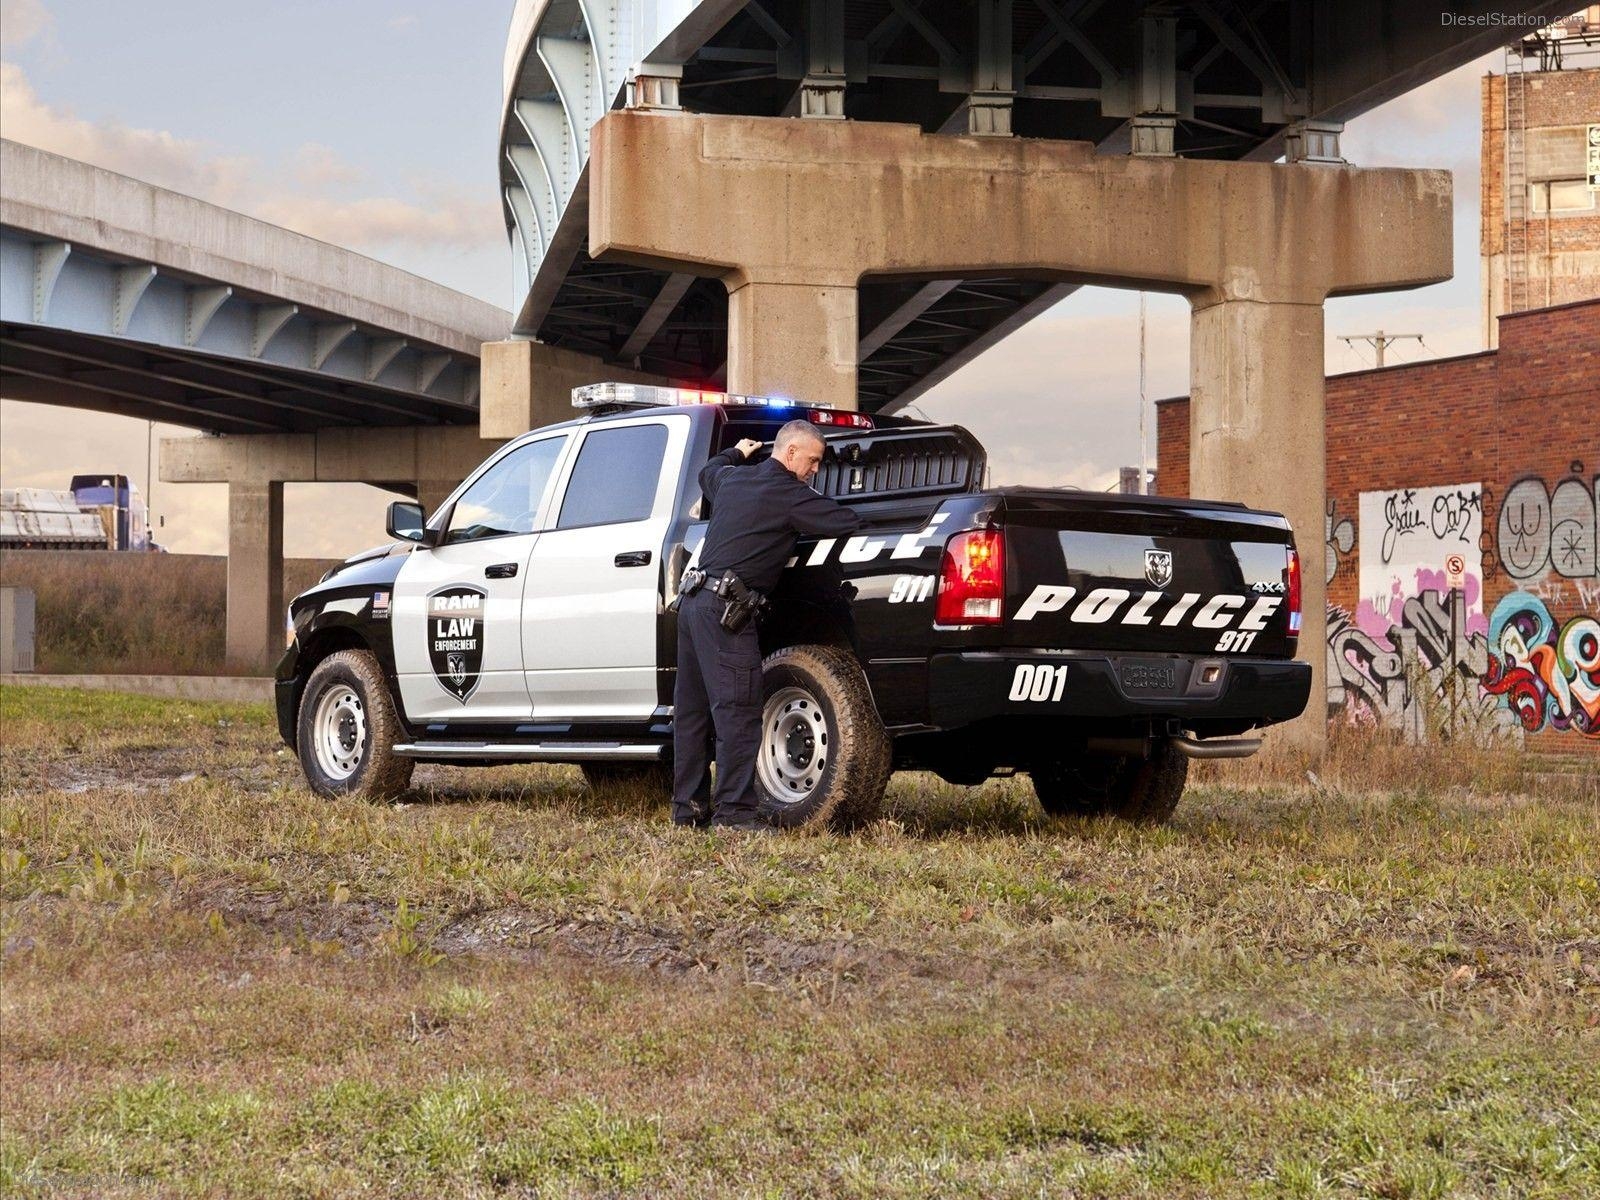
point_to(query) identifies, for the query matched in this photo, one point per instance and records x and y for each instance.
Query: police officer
(757, 514)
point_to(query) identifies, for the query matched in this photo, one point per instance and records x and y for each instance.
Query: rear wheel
(1144, 791)
(348, 728)
(824, 754)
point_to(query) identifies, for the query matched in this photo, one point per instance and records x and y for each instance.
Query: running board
(538, 751)
(1229, 748)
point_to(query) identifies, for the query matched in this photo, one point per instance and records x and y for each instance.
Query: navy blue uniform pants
(718, 689)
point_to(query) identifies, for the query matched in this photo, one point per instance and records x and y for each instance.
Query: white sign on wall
(1416, 540)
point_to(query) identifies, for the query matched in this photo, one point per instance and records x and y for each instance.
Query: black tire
(824, 755)
(347, 730)
(1142, 791)
(653, 779)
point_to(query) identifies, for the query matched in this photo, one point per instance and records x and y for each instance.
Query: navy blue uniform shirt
(757, 515)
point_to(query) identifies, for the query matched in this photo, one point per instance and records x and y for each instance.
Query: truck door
(457, 606)
(594, 586)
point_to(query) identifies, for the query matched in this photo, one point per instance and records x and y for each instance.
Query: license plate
(1150, 675)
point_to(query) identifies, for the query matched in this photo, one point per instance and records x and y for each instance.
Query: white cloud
(1056, 404)
(21, 21)
(153, 155)
(456, 221)
(316, 166)
(446, 218)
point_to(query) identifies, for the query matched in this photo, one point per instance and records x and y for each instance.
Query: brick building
(1539, 239)
(1460, 538)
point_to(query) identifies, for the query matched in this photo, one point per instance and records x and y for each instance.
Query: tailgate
(1145, 574)
(900, 463)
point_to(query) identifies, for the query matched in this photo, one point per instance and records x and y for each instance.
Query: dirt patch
(355, 925)
(746, 954)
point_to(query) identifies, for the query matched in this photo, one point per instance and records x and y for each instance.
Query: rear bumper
(972, 686)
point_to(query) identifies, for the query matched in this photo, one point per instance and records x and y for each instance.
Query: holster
(740, 604)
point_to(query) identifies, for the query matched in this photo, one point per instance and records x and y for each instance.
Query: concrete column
(256, 621)
(1257, 434)
(795, 340)
(527, 384)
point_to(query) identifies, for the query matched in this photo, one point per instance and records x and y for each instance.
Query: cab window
(505, 498)
(614, 480)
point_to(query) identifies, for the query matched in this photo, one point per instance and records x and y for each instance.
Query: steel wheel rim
(795, 745)
(339, 731)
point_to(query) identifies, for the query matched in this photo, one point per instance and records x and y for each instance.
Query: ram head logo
(1158, 567)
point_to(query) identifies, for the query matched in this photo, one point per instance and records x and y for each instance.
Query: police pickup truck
(1095, 642)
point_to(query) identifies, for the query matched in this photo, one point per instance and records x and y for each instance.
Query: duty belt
(692, 581)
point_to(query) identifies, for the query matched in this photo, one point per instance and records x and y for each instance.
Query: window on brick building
(1560, 196)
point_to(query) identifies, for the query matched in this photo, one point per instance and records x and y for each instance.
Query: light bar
(644, 395)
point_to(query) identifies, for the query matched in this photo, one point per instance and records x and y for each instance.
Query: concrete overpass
(1225, 80)
(130, 298)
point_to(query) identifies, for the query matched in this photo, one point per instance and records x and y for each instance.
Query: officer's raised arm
(718, 465)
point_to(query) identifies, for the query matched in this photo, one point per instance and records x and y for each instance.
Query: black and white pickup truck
(1095, 642)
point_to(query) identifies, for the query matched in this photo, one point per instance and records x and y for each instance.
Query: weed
(1386, 984)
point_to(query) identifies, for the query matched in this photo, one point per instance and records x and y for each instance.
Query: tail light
(829, 416)
(972, 579)
(1294, 592)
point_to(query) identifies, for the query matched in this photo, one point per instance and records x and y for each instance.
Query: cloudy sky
(374, 126)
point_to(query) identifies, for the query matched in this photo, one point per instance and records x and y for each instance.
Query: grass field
(215, 984)
(133, 614)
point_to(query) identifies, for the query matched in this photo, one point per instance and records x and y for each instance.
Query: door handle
(633, 558)
(501, 571)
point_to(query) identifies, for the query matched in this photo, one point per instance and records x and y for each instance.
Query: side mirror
(405, 521)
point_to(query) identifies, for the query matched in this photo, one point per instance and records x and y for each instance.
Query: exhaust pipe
(1230, 748)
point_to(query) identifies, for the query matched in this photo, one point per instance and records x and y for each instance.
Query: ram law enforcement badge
(1158, 567)
(455, 637)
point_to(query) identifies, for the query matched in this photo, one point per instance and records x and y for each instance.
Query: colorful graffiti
(1419, 675)
(1549, 676)
(1418, 652)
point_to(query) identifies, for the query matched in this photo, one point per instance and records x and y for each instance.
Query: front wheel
(348, 728)
(1143, 791)
(824, 754)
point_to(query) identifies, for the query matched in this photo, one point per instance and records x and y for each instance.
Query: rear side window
(615, 477)
(505, 498)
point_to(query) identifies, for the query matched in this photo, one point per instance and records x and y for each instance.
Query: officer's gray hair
(793, 432)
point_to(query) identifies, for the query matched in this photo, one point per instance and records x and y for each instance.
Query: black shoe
(692, 820)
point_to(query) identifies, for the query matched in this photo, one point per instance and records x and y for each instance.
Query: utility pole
(1378, 340)
(1144, 458)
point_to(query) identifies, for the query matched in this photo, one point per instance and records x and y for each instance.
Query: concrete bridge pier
(793, 338)
(792, 214)
(427, 461)
(255, 620)
(1258, 435)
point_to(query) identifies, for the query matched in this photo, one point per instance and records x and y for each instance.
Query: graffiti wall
(1469, 618)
